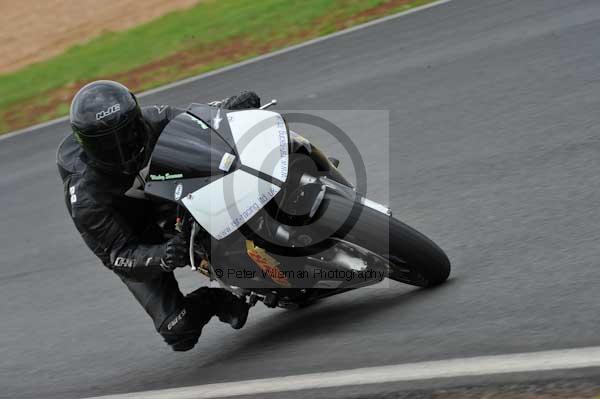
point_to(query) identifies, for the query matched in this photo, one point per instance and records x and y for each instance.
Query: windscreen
(188, 147)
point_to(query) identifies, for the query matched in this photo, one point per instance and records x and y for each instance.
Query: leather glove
(246, 100)
(176, 254)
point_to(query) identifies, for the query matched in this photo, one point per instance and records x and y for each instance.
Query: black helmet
(107, 122)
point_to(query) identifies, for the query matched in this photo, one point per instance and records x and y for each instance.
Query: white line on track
(243, 63)
(466, 367)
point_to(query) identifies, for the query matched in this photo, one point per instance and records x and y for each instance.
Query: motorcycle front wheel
(412, 257)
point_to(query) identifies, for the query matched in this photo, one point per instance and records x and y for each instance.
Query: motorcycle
(271, 218)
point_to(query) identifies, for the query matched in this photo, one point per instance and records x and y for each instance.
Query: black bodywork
(188, 153)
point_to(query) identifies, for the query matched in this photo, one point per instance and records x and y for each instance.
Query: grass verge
(210, 35)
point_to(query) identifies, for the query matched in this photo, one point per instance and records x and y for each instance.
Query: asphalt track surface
(494, 153)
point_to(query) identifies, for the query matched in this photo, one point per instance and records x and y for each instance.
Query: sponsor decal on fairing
(178, 192)
(166, 176)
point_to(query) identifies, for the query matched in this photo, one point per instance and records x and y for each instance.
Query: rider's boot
(223, 304)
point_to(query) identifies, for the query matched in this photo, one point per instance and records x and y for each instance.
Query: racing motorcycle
(271, 218)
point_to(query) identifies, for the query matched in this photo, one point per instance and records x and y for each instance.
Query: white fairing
(262, 141)
(224, 205)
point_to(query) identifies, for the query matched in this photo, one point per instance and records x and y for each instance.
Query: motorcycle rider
(102, 165)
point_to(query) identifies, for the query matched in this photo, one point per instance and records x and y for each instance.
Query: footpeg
(252, 299)
(271, 300)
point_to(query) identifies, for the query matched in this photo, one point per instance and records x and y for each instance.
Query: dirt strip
(34, 30)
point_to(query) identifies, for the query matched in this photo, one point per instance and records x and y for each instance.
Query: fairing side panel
(224, 205)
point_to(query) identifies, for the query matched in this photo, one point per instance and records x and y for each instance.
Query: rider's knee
(180, 331)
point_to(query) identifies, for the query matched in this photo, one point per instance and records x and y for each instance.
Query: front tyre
(412, 257)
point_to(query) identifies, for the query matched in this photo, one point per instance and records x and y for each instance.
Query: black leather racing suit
(120, 227)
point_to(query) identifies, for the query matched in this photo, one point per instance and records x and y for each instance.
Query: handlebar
(269, 104)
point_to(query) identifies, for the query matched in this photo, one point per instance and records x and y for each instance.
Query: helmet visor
(118, 147)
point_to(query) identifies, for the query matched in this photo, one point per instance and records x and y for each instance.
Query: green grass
(204, 25)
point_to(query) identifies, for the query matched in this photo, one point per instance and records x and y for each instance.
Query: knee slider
(184, 344)
(179, 331)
